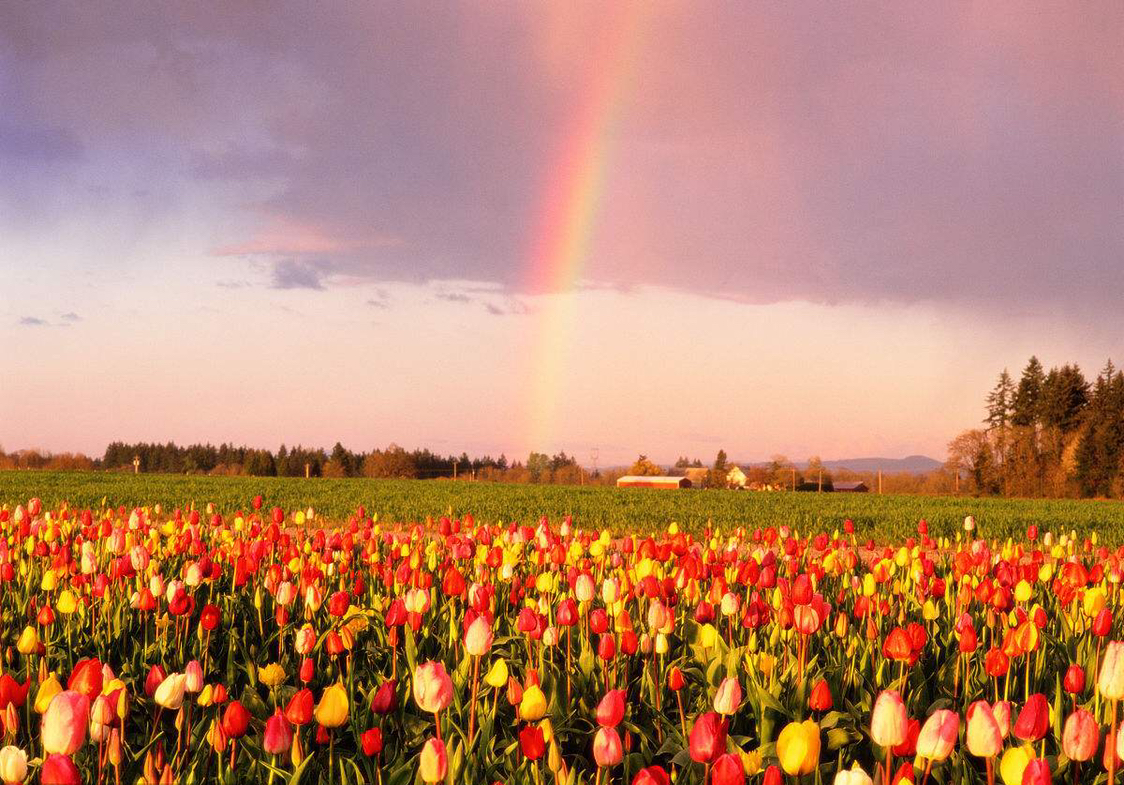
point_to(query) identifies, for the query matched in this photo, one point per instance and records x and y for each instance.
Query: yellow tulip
(497, 675)
(67, 602)
(46, 693)
(1094, 601)
(1014, 762)
(28, 641)
(798, 748)
(533, 705)
(1023, 591)
(331, 711)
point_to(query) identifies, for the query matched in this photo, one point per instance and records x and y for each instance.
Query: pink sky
(816, 230)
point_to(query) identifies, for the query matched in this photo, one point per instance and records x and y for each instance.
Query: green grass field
(631, 510)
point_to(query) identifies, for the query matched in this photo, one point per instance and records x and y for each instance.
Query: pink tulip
(984, 738)
(1080, 736)
(478, 638)
(433, 689)
(278, 734)
(434, 761)
(889, 722)
(728, 697)
(938, 735)
(607, 747)
(63, 728)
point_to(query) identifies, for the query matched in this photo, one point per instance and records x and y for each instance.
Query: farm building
(851, 487)
(632, 481)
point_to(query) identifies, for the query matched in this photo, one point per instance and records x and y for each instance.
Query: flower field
(247, 642)
(621, 510)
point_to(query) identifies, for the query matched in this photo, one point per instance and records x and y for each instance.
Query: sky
(604, 228)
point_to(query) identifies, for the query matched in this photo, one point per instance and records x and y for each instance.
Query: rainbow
(568, 218)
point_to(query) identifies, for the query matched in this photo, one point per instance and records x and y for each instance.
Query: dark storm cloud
(970, 155)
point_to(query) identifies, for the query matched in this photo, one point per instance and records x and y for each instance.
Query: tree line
(389, 462)
(1053, 433)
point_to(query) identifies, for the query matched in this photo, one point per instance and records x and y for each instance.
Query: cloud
(70, 316)
(959, 154)
(33, 321)
(510, 306)
(453, 297)
(293, 274)
(232, 283)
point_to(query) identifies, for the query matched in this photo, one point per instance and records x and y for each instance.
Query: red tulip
(385, 699)
(278, 734)
(1034, 719)
(820, 698)
(606, 647)
(675, 679)
(372, 742)
(210, 617)
(996, 662)
(707, 738)
(653, 775)
(727, 770)
(155, 678)
(300, 707)
(1074, 682)
(86, 678)
(1102, 624)
(59, 770)
(12, 692)
(773, 776)
(531, 742)
(308, 670)
(235, 720)
(909, 745)
(1037, 772)
(610, 711)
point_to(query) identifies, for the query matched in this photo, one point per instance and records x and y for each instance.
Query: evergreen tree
(1026, 406)
(720, 465)
(1000, 402)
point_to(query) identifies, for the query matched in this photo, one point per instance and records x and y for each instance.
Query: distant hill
(913, 464)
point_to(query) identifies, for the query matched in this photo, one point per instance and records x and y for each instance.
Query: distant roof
(849, 486)
(634, 479)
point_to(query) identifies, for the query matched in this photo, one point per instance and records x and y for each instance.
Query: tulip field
(621, 510)
(253, 639)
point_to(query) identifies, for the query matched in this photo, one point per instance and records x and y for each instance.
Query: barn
(851, 487)
(634, 481)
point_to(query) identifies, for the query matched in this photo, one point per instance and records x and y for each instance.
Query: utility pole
(794, 478)
(454, 471)
(819, 482)
(307, 470)
(879, 481)
(958, 481)
(136, 464)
